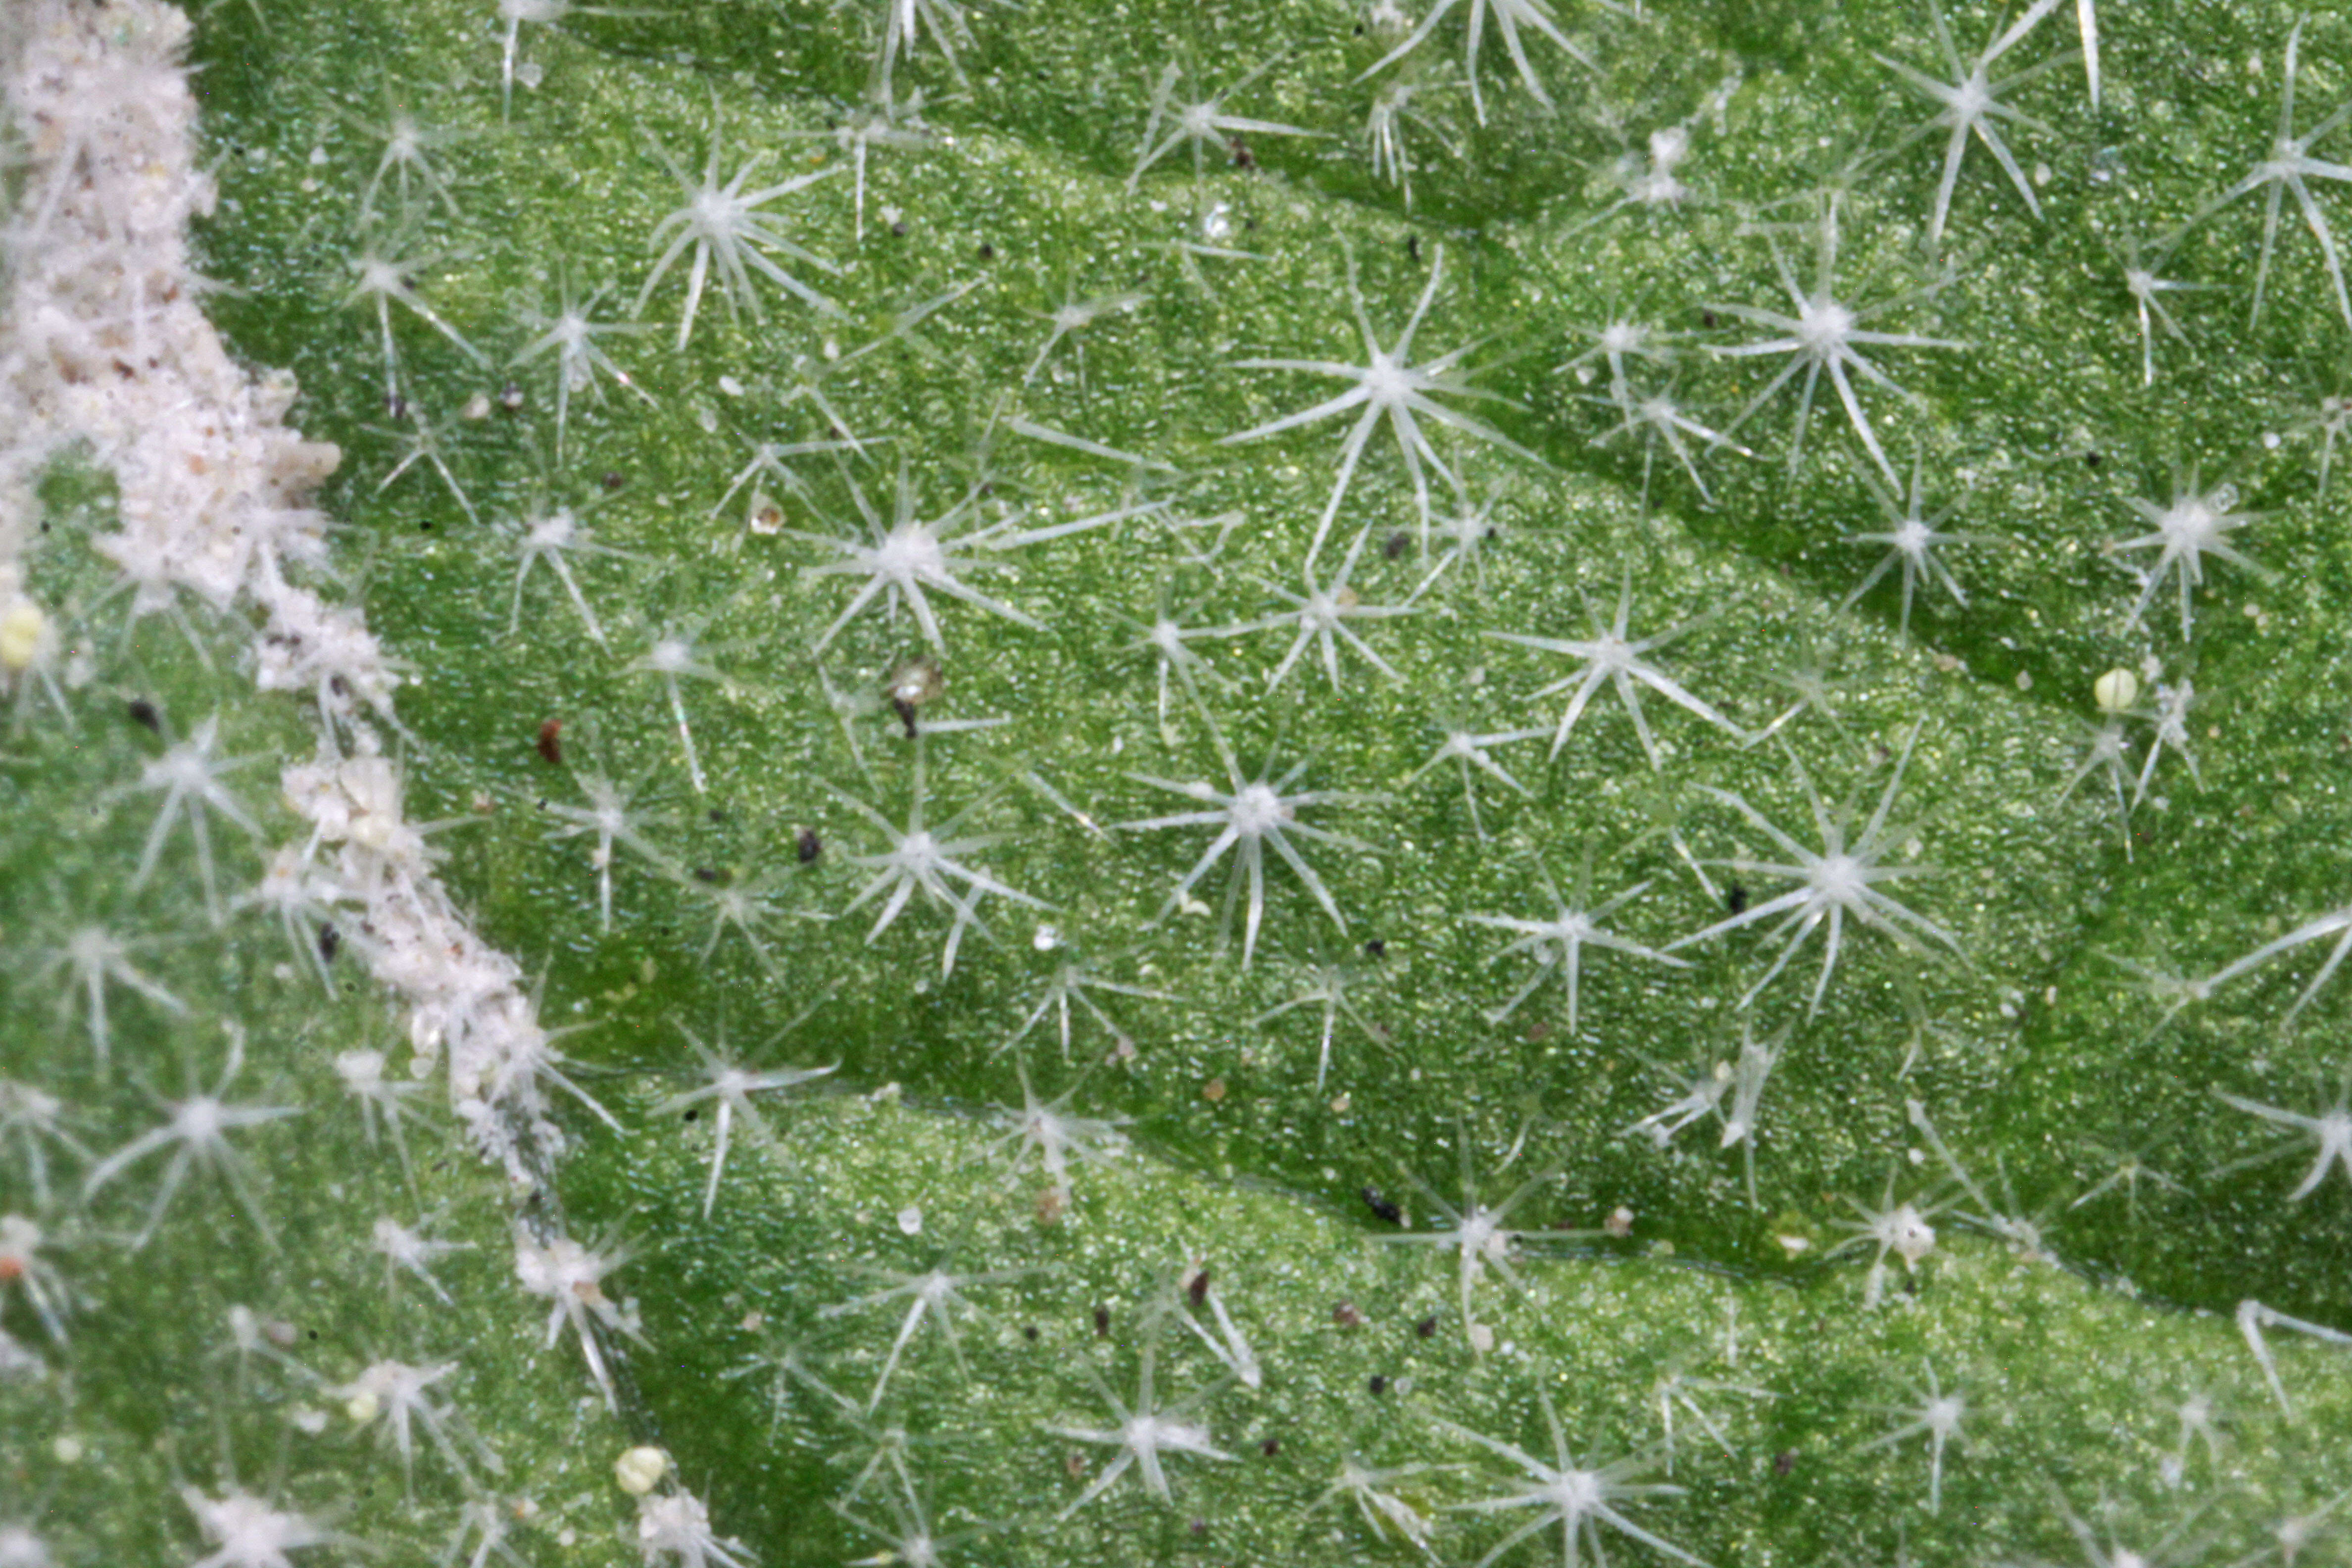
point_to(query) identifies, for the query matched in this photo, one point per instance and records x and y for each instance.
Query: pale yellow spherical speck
(640, 1469)
(23, 627)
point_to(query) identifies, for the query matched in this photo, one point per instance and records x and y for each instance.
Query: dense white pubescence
(20, 1548)
(103, 351)
(102, 344)
(468, 999)
(677, 1526)
(102, 340)
(248, 1532)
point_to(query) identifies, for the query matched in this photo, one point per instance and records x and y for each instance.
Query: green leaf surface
(1304, 1069)
(215, 1308)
